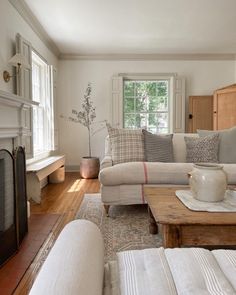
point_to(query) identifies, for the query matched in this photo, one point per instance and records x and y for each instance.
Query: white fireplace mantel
(8, 98)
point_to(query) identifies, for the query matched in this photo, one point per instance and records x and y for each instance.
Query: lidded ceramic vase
(208, 182)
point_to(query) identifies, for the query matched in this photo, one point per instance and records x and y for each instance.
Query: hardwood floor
(64, 198)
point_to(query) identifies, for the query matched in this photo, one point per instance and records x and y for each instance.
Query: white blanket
(190, 271)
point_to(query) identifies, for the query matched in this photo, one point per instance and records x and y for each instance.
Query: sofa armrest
(106, 162)
(75, 264)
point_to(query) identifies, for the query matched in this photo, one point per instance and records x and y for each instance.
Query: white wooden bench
(37, 171)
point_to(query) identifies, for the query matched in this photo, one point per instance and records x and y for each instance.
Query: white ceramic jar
(208, 182)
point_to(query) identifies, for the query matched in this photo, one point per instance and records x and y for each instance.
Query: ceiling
(86, 27)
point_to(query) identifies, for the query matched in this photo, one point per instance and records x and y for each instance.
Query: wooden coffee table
(181, 226)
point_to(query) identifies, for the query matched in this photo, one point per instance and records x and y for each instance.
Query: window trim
(178, 99)
(153, 77)
(47, 95)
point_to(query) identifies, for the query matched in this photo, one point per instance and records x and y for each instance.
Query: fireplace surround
(15, 130)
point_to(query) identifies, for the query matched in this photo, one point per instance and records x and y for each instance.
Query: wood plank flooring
(64, 198)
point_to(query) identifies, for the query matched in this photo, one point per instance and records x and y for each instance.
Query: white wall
(202, 78)
(12, 23)
(11, 120)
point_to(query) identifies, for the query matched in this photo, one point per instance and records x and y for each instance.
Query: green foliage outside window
(146, 105)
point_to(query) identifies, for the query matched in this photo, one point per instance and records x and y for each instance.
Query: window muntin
(146, 105)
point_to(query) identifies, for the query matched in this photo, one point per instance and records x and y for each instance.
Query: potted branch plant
(89, 166)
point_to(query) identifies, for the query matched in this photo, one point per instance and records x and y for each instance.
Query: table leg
(153, 228)
(171, 236)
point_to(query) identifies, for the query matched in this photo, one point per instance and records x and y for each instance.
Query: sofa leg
(106, 207)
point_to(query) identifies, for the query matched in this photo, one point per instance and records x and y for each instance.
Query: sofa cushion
(179, 146)
(158, 147)
(127, 145)
(227, 151)
(146, 173)
(204, 149)
(154, 173)
(175, 271)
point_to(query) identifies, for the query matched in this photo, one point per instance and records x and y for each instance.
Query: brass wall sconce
(18, 61)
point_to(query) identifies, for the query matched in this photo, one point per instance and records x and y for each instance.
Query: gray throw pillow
(227, 146)
(158, 147)
(202, 149)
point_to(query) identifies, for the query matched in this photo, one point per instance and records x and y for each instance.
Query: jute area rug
(125, 229)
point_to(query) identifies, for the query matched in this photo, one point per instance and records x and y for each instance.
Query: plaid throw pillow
(127, 145)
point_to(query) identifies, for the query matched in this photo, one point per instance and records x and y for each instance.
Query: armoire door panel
(200, 113)
(225, 108)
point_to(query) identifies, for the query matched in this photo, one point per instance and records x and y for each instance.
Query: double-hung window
(43, 113)
(147, 104)
(152, 101)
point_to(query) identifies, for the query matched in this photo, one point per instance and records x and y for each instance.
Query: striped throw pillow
(158, 147)
(126, 145)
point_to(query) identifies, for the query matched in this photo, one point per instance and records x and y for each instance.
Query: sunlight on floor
(76, 186)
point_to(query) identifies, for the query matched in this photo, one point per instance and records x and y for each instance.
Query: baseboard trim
(72, 168)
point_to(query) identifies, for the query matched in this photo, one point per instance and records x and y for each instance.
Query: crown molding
(144, 57)
(33, 22)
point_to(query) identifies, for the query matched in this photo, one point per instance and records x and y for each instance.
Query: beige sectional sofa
(123, 183)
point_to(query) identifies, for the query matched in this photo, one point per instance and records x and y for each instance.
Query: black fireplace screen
(8, 235)
(21, 197)
(13, 202)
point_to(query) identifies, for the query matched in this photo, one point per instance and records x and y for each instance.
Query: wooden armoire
(224, 108)
(213, 112)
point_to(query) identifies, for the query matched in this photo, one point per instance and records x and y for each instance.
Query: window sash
(147, 98)
(42, 114)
